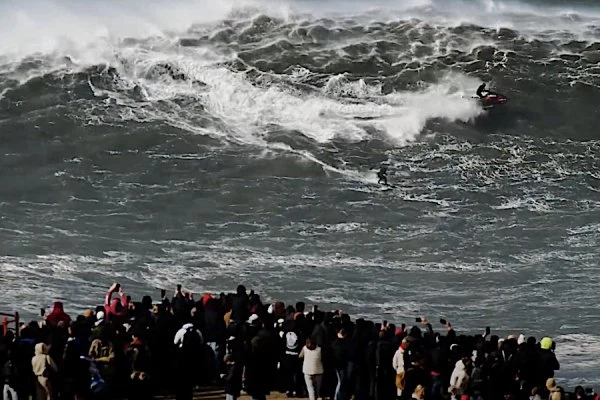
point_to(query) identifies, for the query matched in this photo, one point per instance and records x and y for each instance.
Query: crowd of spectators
(136, 350)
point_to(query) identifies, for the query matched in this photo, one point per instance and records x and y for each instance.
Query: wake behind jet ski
(488, 98)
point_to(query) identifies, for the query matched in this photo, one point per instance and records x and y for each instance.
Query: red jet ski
(493, 99)
(490, 99)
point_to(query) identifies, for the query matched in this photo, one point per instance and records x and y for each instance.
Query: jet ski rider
(482, 92)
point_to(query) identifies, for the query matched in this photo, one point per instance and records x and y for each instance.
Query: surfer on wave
(382, 175)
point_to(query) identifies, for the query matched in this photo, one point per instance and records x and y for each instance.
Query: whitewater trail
(250, 111)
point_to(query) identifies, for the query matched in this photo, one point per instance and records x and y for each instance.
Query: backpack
(191, 344)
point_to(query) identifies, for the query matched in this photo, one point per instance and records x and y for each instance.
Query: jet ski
(488, 98)
(493, 99)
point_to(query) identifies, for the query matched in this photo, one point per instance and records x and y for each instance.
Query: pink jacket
(114, 309)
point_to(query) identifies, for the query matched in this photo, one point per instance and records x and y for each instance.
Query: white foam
(47, 26)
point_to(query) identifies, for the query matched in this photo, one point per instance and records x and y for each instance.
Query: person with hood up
(547, 359)
(115, 310)
(43, 368)
(556, 392)
(459, 380)
(57, 315)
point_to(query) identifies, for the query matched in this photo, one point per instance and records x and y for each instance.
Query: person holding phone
(115, 309)
(180, 304)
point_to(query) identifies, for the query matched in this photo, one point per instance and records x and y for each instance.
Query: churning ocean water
(221, 142)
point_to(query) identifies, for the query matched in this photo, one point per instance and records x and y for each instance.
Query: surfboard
(385, 188)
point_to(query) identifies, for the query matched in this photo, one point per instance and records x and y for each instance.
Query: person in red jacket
(115, 309)
(57, 315)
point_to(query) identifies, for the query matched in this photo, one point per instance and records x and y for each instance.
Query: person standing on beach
(232, 377)
(341, 353)
(312, 368)
(189, 343)
(214, 334)
(9, 376)
(45, 371)
(260, 360)
(398, 364)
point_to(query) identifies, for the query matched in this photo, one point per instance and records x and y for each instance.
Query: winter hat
(252, 318)
(546, 343)
(99, 318)
(521, 339)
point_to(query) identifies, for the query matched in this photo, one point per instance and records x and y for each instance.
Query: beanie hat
(546, 343)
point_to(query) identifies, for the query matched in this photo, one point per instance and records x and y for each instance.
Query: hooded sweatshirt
(114, 309)
(41, 360)
(459, 379)
(57, 315)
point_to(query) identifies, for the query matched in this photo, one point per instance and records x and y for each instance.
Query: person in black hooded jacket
(290, 364)
(240, 304)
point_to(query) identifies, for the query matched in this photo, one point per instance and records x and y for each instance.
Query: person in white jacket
(459, 380)
(312, 367)
(398, 363)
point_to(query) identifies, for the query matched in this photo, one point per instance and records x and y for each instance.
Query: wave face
(153, 142)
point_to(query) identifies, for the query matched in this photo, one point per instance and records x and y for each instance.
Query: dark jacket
(341, 352)
(548, 364)
(239, 308)
(214, 326)
(233, 378)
